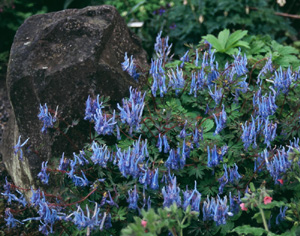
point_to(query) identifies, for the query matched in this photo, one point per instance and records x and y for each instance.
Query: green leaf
(236, 36)
(223, 37)
(241, 44)
(207, 125)
(214, 42)
(197, 171)
(247, 229)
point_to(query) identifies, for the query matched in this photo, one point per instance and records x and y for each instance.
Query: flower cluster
(132, 110)
(266, 105)
(11, 222)
(46, 117)
(215, 157)
(133, 197)
(48, 215)
(279, 164)
(129, 66)
(176, 80)
(103, 125)
(177, 159)
(82, 220)
(91, 106)
(240, 64)
(101, 155)
(192, 198)
(214, 70)
(171, 194)
(163, 142)
(80, 181)
(198, 81)
(234, 176)
(131, 162)
(250, 132)
(159, 78)
(217, 95)
(216, 210)
(12, 197)
(162, 47)
(283, 80)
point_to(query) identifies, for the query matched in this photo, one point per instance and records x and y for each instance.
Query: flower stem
(264, 219)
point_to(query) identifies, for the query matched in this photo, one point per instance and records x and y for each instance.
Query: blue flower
(281, 215)
(215, 157)
(223, 180)
(154, 183)
(234, 175)
(46, 117)
(162, 47)
(132, 110)
(63, 163)
(197, 58)
(130, 162)
(250, 132)
(18, 148)
(266, 105)
(216, 210)
(44, 177)
(133, 198)
(91, 107)
(102, 125)
(234, 203)
(183, 134)
(73, 165)
(11, 222)
(78, 181)
(198, 81)
(240, 64)
(267, 67)
(279, 164)
(176, 80)
(184, 58)
(193, 198)
(89, 221)
(166, 145)
(197, 136)
(269, 132)
(217, 95)
(283, 80)
(171, 194)
(101, 154)
(222, 121)
(129, 66)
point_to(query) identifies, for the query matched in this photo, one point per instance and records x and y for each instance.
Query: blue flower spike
(18, 148)
(129, 66)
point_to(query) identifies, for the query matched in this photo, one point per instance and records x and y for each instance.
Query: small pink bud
(267, 200)
(144, 223)
(242, 205)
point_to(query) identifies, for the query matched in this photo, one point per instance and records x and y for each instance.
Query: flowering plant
(199, 118)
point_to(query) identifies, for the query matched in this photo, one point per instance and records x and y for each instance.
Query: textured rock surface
(60, 58)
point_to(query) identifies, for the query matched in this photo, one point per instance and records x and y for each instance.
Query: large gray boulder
(60, 58)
